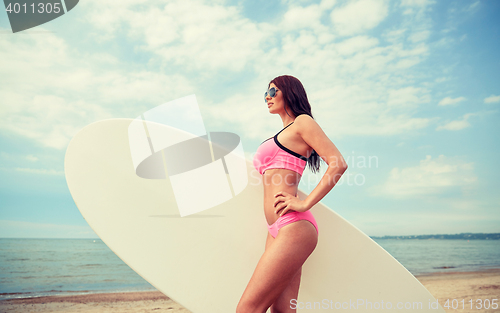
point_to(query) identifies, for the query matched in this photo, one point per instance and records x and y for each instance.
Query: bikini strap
(283, 129)
(278, 133)
(285, 148)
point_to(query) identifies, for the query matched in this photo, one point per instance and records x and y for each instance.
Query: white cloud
(228, 113)
(40, 171)
(408, 97)
(67, 89)
(455, 125)
(445, 42)
(449, 101)
(11, 157)
(31, 158)
(196, 35)
(416, 3)
(417, 19)
(464, 122)
(430, 177)
(394, 35)
(327, 4)
(458, 125)
(361, 110)
(359, 16)
(441, 79)
(357, 107)
(302, 18)
(356, 44)
(492, 99)
(472, 6)
(419, 36)
(324, 4)
(363, 85)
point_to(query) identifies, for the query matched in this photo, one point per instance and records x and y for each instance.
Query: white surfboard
(204, 261)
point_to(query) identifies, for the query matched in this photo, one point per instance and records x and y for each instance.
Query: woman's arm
(314, 136)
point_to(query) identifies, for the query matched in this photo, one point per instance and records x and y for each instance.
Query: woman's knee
(245, 307)
(280, 309)
(283, 306)
(275, 309)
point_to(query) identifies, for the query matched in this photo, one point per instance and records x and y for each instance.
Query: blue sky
(412, 85)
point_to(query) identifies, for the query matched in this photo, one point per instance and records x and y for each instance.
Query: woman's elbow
(341, 165)
(343, 168)
(338, 168)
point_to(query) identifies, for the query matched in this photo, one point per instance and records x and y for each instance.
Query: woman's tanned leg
(278, 267)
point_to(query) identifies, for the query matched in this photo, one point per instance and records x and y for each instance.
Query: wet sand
(473, 286)
(126, 302)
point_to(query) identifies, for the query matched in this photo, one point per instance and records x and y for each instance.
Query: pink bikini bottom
(290, 217)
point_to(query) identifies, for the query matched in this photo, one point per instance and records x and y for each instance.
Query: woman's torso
(280, 179)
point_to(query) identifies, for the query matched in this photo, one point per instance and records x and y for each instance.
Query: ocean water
(39, 267)
(435, 255)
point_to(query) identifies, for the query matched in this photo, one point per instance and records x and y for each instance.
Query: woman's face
(276, 104)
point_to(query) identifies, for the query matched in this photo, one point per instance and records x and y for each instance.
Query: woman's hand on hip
(285, 202)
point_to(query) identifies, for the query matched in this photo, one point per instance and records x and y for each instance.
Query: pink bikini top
(272, 154)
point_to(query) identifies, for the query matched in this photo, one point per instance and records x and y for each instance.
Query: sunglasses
(271, 93)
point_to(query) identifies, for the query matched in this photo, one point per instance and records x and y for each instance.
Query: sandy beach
(467, 286)
(451, 285)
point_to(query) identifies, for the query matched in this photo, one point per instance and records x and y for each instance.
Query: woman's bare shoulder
(305, 121)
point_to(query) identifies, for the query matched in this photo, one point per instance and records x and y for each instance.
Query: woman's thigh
(282, 303)
(279, 264)
(269, 241)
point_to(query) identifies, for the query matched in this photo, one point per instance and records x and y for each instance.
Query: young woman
(293, 232)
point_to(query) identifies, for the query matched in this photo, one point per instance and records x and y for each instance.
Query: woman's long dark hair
(295, 98)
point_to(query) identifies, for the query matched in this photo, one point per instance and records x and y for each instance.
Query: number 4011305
(41, 8)
(478, 304)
